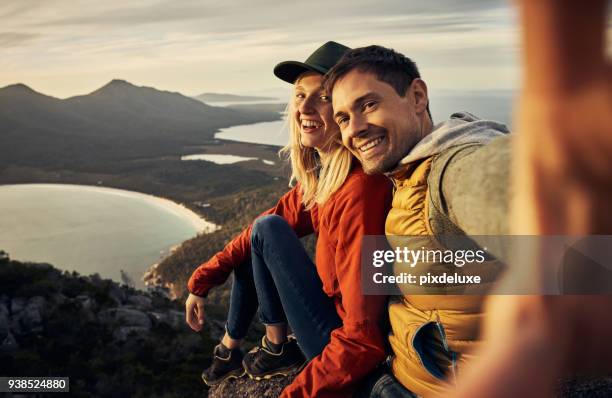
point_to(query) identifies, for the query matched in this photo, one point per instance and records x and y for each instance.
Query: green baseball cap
(321, 61)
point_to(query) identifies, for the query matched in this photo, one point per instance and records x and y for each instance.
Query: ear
(421, 99)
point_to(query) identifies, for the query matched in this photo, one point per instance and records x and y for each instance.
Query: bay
(92, 229)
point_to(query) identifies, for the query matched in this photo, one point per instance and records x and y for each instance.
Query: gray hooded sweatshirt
(469, 178)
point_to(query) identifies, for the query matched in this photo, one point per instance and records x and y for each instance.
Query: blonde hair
(318, 179)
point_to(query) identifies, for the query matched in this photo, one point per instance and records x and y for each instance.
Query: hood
(462, 128)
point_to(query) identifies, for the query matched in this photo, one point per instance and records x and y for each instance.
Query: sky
(64, 48)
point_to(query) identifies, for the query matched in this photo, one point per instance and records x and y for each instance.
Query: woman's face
(313, 111)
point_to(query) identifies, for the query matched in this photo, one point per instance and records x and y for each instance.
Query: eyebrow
(320, 89)
(357, 101)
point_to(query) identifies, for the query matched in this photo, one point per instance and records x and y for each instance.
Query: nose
(307, 106)
(358, 126)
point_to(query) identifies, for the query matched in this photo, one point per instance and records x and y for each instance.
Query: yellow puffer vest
(431, 335)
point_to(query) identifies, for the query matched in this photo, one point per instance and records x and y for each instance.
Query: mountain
(117, 121)
(22, 107)
(221, 97)
(145, 110)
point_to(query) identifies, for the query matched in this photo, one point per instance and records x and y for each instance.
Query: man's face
(378, 126)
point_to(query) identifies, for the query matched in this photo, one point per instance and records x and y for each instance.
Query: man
(450, 178)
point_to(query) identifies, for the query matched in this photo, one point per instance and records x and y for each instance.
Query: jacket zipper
(445, 343)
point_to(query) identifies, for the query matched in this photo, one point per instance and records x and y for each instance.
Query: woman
(337, 328)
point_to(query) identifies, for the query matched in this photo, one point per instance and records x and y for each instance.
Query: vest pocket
(429, 342)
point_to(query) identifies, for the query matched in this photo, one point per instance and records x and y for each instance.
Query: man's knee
(268, 226)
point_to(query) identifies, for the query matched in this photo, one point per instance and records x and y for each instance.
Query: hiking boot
(262, 362)
(227, 364)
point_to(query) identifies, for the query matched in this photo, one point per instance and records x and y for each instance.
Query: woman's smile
(310, 126)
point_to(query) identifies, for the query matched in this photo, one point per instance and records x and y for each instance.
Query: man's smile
(371, 143)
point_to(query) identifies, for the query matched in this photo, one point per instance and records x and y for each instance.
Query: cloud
(13, 9)
(130, 16)
(239, 15)
(12, 39)
(199, 45)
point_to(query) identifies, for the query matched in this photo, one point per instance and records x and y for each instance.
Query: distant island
(222, 97)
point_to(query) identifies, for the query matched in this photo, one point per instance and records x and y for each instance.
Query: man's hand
(563, 186)
(194, 312)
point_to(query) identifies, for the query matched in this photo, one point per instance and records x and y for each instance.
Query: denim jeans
(382, 384)
(283, 282)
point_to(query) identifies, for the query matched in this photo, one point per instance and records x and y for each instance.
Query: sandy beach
(177, 209)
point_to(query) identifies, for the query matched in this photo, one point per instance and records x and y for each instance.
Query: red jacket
(358, 208)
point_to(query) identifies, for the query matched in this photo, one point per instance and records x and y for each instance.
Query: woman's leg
(243, 305)
(288, 286)
(227, 357)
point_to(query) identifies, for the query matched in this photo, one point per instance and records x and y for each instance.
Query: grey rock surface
(124, 333)
(246, 387)
(58, 298)
(17, 305)
(172, 318)
(28, 318)
(140, 302)
(583, 387)
(5, 321)
(87, 302)
(125, 317)
(8, 344)
(117, 294)
(37, 304)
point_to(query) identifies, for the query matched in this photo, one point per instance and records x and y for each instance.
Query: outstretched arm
(563, 183)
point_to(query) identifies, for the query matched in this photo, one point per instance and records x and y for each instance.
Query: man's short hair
(386, 64)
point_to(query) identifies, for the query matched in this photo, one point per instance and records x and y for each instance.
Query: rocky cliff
(109, 339)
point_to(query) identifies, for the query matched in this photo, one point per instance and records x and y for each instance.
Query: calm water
(230, 103)
(270, 133)
(223, 159)
(92, 229)
(216, 158)
(494, 106)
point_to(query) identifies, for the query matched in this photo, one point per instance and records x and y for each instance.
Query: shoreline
(201, 224)
(149, 278)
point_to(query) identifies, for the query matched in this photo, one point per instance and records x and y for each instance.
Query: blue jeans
(282, 281)
(382, 384)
